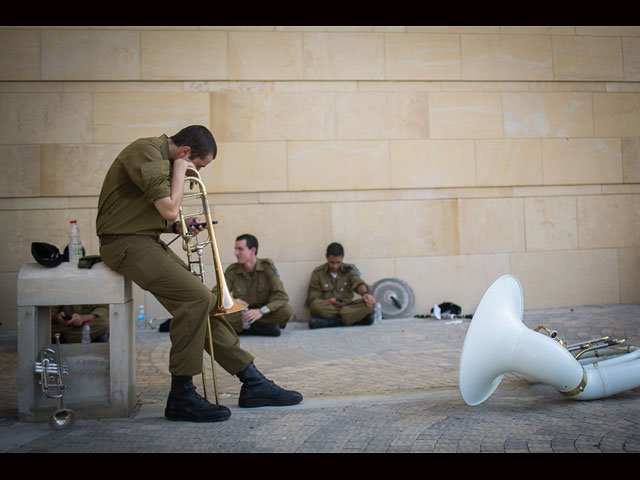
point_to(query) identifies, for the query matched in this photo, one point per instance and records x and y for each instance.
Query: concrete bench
(102, 376)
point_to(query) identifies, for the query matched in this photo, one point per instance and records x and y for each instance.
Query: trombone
(225, 302)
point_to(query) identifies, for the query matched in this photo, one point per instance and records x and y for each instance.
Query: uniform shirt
(73, 334)
(323, 285)
(139, 175)
(262, 287)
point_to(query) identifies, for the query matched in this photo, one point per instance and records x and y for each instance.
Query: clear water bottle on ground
(141, 324)
(377, 313)
(86, 333)
(75, 245)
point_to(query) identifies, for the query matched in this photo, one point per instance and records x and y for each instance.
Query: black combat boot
(271, 330)
(258, 391)
(368, 320)
(317, 322)
(184, 403)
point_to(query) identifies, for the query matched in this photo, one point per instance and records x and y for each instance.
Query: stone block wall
(442, 156)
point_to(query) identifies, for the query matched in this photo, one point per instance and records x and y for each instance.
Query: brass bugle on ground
(51, 371)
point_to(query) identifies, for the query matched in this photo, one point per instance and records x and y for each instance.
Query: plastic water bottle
(141, 320)
(377, 313)
(75, 245)
(86, 333)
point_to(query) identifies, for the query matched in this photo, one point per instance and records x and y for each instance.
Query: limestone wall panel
(347, 165)
(40, 118)
(567, 278)
(631, 55)
(292, 232)
(432, 163)
(327, 57)
(268, 116)
(582, 160)
(616, 114)
(509, 162)
(492, 225)
(547, 115)
(123, 117)
(420, 56)
(90, 54)
(465, 115)
(587, 58)
(631, 159)
(382, 115)
(629, 267)
(609, 221)
(19, 55)
(551, 223)
(266, 56)
(397, 229)
(73, 170)
(163, 56)
(41, 225)
(247, 167)
(506, 57)
(20, 171)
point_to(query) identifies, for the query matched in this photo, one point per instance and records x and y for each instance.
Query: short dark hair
(252, 242)
(335, 250)
(199, 138)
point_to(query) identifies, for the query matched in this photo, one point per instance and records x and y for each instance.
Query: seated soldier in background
(256, 282)
(67, 320)
(331, 293)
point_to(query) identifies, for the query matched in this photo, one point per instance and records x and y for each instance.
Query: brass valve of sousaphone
(225, 302)
(581, 348)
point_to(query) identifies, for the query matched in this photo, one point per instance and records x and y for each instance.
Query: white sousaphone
(498, 342)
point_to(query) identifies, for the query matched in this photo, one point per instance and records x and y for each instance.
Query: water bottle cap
(73, 221)
(86, 323)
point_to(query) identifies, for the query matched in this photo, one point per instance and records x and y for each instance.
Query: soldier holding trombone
(140, 199)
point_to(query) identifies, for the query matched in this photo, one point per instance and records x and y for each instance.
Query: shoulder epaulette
(272, 265)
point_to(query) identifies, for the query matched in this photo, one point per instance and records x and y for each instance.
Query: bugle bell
(498, 342)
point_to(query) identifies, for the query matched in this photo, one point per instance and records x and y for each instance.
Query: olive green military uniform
(129, 227)
(71, 333)
(260, 288)
(324, 286)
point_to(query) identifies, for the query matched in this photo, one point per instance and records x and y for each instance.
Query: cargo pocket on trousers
(143, 267)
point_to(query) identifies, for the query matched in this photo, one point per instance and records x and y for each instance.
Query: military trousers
(349, 313)
(153, 266)
(280, 316)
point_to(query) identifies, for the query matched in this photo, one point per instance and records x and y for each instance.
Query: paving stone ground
(388, 388)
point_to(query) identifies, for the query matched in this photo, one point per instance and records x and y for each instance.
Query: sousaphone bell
(498, 342)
